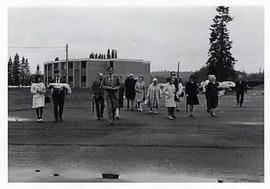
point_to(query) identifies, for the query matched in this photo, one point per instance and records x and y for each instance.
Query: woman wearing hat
(154, 93)
(38, 90)
(140, 92)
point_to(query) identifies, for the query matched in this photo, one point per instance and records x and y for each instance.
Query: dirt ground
(141, 147)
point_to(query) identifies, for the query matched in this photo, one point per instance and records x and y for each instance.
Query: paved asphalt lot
(140, 147)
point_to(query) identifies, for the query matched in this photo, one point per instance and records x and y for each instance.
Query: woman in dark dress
(121, 97)
(191, 95)
(212, 94)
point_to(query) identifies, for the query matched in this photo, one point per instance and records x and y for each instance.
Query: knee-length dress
(38, 99)
(140, 91)
(212, 95)
(191, 92)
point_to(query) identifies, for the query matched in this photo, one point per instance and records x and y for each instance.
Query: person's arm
(43, 89)
(165, 90)
(136, 87)
(33, 90)
(117, 84)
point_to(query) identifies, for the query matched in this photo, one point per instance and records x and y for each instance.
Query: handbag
(47, 100)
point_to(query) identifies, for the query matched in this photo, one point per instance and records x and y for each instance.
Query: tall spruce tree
(10, 82)
(220, 61)
(27, 72)
(108, 54)
(16, 70)
(22, 71)
(38, 70)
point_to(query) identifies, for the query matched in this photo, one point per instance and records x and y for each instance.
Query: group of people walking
(111, 89)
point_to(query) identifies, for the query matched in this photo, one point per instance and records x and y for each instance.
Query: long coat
(152, 92)
(191, 93)
(130, 88)
(212, 95)
(169, 91)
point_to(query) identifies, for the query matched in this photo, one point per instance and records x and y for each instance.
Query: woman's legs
(173, 110)
(170, 113)
(213, 110)
(117, 113)
(40, 112)
(191, 110)
(37, 112)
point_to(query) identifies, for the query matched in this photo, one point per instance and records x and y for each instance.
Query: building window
(63, 66)
(49, 67)
(83, 64)
(83, 79)
(70, 78)
(55, 66)
(70, 65)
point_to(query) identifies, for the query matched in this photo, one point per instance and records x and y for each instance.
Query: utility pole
(67, 62)
(178, 74)
(67, 52)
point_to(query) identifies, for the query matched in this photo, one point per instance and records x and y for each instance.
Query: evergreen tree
(16, 70)
(22, 71)
(27, 72)
(56, 59)
(108, 54)
(38, 70)
(10, 82)
(113, 53)
(220, 61)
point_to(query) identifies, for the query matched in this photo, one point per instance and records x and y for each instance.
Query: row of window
(70, 78)
(64, 66)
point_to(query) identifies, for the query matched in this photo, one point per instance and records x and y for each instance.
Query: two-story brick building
(80, 73)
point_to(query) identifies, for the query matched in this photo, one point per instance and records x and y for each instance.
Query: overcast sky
(163, 36)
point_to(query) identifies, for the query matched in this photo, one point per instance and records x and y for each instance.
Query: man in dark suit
(240, 88)
(59, 89)
(98, 95)
(130, 91)
(111, 88)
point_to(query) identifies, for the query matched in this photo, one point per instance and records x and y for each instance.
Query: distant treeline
(18, 71)
(111, 54)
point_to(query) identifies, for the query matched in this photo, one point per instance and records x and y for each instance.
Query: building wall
(82, 73)
(124, 68)
(92, 70)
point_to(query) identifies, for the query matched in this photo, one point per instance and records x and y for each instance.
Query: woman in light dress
(179, 94)
(140, 93)
(154, 93)
(38, 90)
(169, 91)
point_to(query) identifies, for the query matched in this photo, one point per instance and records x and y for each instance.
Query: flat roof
(99, 60)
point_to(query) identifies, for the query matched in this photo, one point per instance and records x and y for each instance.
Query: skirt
(38, 101)
(139, 97)
(192, 100)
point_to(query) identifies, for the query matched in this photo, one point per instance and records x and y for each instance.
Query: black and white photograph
(143, 94)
